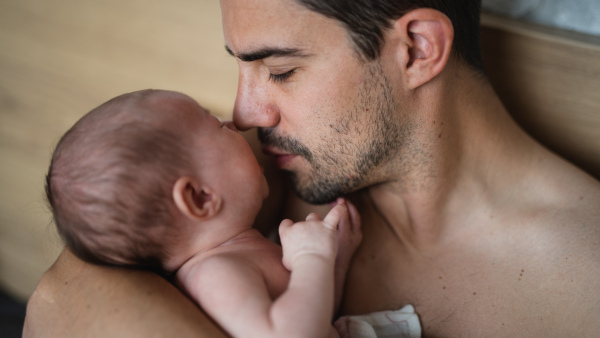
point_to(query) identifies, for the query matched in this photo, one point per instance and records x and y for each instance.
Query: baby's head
(125, 182)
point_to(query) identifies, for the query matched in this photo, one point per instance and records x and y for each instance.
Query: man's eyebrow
(265, 53)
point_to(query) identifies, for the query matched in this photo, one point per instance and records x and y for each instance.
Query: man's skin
(469, 219)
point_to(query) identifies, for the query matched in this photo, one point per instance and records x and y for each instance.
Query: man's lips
(281, 158)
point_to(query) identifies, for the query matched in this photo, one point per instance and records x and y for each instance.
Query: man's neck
(470, 153)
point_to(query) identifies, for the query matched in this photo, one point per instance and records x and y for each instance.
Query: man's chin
(314, 192)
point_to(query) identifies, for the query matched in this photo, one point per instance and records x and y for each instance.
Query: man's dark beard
(267, 136)
(320, 193)
(331, 176)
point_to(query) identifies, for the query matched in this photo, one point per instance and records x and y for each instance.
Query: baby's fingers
(313, 217)
(284, 226)
(355, 220)
(333, 217)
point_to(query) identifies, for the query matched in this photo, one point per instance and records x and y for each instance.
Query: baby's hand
(349, 234)
(349, 238)
(311, 237)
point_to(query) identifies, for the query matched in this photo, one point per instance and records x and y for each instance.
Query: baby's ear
(196, 201)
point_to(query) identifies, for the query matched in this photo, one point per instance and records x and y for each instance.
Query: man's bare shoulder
(530, 267)
(570, 209)
(536, 273)
(559, 234)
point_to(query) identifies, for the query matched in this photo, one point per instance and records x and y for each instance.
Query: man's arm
(77, 299)
(233, 292)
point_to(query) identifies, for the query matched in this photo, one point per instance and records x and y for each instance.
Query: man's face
(326, 116)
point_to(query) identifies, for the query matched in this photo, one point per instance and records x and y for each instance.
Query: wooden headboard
(549, 79)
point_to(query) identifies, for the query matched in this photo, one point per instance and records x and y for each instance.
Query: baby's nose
(230, 125)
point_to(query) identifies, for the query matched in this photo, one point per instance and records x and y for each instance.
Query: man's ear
(423, 41)
(194, 200)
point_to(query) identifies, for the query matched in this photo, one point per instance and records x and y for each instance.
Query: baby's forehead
(163, 103)
(131, 117)
(161, 108)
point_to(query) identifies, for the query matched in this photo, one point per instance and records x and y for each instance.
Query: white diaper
(400, 323)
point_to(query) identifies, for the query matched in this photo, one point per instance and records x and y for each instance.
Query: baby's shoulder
(250, 263)
(248, 254)
(216, 268)
(221, 261)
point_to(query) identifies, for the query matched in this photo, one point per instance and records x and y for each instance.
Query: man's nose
(253, 105)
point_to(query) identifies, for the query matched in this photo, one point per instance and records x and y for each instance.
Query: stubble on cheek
(352, 147)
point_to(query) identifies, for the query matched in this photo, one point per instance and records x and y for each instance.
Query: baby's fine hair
(110, 181)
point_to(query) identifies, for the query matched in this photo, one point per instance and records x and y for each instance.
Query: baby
(150, 179)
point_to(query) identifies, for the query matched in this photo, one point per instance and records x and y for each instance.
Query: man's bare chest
(472, 287)
(449, 296)
(476, 291)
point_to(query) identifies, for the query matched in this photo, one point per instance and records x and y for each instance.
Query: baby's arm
(235, 294)
(309, 252)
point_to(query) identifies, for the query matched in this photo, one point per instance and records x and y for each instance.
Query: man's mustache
(268, 137)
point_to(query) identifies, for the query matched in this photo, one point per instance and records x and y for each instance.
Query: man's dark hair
(366, 21)
(109, 186)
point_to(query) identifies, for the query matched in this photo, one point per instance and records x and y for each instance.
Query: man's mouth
(284, 150)
(281, 158)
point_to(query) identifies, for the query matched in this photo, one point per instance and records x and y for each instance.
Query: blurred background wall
(61, 58)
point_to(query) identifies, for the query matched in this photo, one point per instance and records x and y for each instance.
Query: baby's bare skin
(273, 291)
(254, 249)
